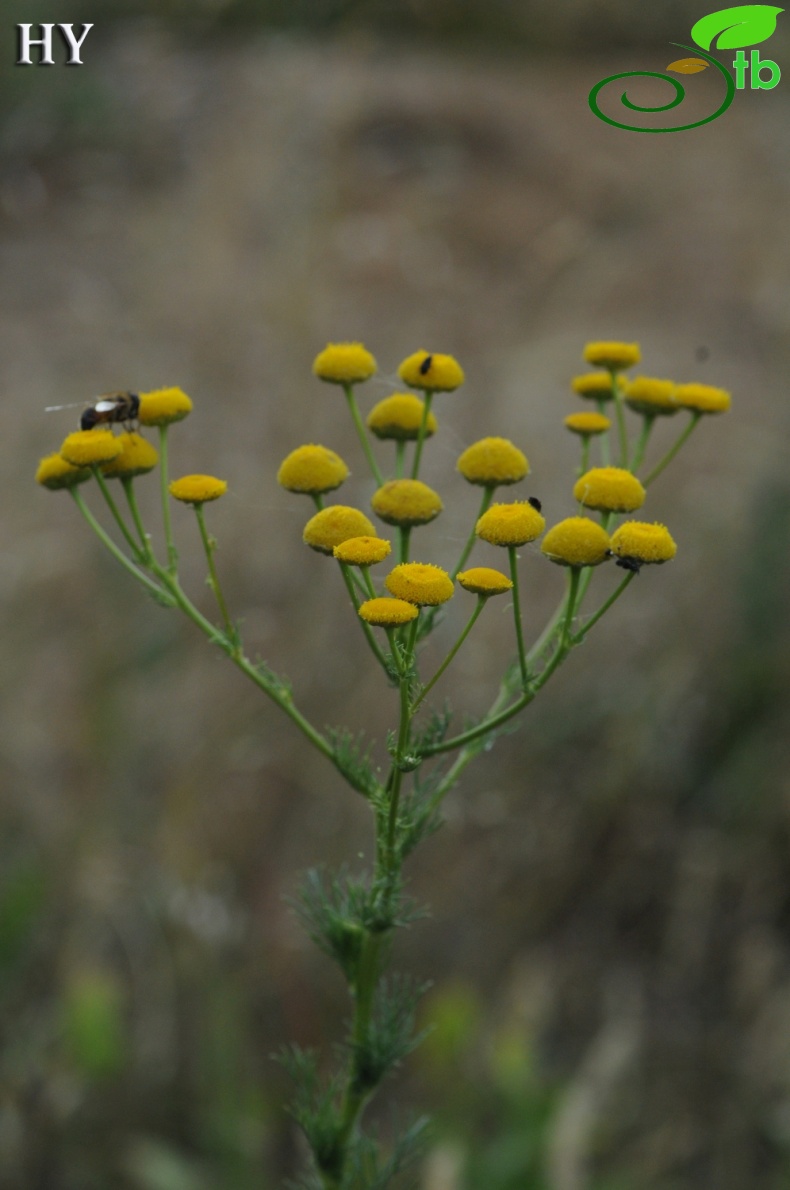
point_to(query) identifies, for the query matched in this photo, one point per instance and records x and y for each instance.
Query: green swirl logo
(730, 28)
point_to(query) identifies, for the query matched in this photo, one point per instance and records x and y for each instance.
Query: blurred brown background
(220, 190)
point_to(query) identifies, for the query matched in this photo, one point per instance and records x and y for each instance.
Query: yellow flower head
(430, 371)
(406, 502)
(587, 423)
(334, 525)
(576, 541)
(643, 543)
(420, 583)
(388, 613)
(702, 398)
(344, 363)
(136, 458)
(612, 355)
(510, 524)
(493, 461)
(652, 397)
(312, 470)
(163, 406)
(597, 386)
(55, 473)
(85, 448)
(400, 417)
(362, 551)
(484, 580)
(197, 489)
(609, 489)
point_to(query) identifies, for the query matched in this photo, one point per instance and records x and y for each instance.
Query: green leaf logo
(746, 24)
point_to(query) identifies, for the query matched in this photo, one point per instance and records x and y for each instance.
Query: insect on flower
(425, 366)
(535, 502)
(107, 409)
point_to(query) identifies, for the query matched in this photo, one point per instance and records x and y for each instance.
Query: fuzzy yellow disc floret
(334, 525)
(493, 461)
(420, 583)
(137, 457)
(406, 502)
(399, 417)
(652, 397)
(510, 524)
(431, 371)
(197, 489)
(643, 542)
(609, 489)
(163, 406)
(85, 448)
(484, 580)
(362, 551)
(388, 613)
(344, 363)
(612, 355)
(597, 386)
(587, 423)
(312, 470)
(55, 473)
(703, 398)
(576, 541)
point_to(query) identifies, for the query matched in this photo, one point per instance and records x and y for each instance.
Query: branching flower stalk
(354, 918)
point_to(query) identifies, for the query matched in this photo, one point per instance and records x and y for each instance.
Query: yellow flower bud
(420, 583)
(644, 394)
(406, 502)
(432, 372)
(334, 525)
(493, 461)
(55, 473)
(85, 448)
(510, 524)
(484, 580)
(388, 613)
(587, 423)
(576, 541)
(344, 363)
(609, 489)
(399, 417)
(703, 398)
(612, 355)
(163, 406)
(362, 551)
(644, 543)
(137, 457)
(197, 489)
(312, 470)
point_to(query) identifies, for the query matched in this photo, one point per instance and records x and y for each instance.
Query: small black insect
(112, 407)
(632, 564)
(535, 502)
(425, 366)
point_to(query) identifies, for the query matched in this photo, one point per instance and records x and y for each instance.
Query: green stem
(349, 581)
(522, 658)
(209, 546)
(426, 408)
(605, 456)
(488, 495)
(131, 500)
(116, 515)
(481, 599)
(580, 635)
(172, 552)
(400, 458)
(363, 437)
(404, 537)
(107, 541)
(318, 500)
(669, 456)
(648, 421)
(584, 465)
(621, 427)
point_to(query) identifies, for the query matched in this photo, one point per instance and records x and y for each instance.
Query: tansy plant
(396, 595)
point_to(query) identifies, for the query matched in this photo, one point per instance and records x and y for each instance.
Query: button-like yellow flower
(609, 489)
(344, 363)
(399, 417)
(85, 448)
(493, 461)
(653, 397)
(587, 423)
(163, 406)
(641, 542)
(510, 524)
(362, 551)
(421, 583)
(484, 580)
(596, 386)
(406, 502)
(312, 470)
(432, 372)
(55, 473)
(137, 457)
(197, 489)
(334, 525)
(388, 613)
(576, 541)
(703, 398)
(612, 355)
